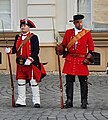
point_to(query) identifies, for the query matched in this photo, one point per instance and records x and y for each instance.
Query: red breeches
(24, 72)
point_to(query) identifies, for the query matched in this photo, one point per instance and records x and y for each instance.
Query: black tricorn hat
(77, 17)
(27, 22)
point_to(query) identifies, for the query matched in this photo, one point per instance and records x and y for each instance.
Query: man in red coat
(27, 62)
(79, 44)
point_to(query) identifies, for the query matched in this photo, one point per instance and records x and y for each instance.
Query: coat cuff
(31, 59)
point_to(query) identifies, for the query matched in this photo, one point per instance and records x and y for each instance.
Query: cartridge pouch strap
(76, 38)
(23, 43)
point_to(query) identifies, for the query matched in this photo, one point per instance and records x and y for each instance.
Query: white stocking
(35, 91)
(21, 92)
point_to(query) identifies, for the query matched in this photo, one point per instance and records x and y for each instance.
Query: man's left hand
(28, 61)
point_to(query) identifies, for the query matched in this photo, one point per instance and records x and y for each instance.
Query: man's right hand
(59, 49)
(7, 50)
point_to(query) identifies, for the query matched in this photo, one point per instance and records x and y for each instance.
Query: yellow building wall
(47, 54)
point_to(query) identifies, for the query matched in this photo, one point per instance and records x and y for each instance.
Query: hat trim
(27, 22)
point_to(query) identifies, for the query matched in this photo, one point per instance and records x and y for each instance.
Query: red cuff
(31, 59)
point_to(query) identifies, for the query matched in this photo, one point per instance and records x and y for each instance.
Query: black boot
(84, 91)
(84, 104)
(69, 92)
(68, 103)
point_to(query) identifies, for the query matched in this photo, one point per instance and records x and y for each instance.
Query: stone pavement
(50, 100)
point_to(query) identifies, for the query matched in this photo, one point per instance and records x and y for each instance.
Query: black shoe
(84, 104)
(19, 105)
(68, 104)
(37, 105)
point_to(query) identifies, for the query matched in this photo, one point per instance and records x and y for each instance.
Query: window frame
(72, 10)
(11, 17)
(91, 12)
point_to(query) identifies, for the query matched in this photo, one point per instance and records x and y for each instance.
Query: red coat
(30, 49)
(74, 65)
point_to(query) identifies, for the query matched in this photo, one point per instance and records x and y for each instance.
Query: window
(5, 13)
(85, 7)
(95, 12)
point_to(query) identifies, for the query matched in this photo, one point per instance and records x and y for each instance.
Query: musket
(59, 67)
(10, 69)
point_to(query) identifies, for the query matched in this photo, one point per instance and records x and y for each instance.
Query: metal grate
(96, 58)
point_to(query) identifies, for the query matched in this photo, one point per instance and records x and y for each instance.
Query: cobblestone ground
(50, 100)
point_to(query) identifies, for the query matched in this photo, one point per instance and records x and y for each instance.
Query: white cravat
(76, 32)
(24, 35)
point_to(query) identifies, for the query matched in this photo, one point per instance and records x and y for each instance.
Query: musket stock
(61, 86)
(59, 67)
(10, 69)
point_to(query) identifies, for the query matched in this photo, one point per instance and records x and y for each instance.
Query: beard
(80, 27)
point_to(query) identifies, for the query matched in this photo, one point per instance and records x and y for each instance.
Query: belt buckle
(74, 55)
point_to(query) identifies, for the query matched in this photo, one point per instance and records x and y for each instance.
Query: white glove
(7, 50)
(28, 61)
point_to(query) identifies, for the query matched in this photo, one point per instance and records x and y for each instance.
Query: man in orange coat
(27, 63)
(76, 41)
